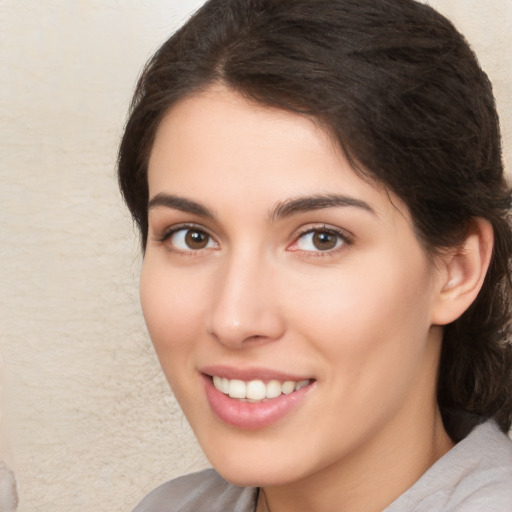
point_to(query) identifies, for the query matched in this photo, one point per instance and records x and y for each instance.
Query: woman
(326, 275)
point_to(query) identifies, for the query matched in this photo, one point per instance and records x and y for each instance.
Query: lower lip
(252, 416)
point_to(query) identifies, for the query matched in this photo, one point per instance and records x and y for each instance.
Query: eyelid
(168, 232)
(346, 238)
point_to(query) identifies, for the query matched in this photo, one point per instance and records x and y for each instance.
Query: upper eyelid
(170, 230)
(346, 235)
(164, 239)
(324, 227)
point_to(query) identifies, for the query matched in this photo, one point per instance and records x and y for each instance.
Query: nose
(244, 308)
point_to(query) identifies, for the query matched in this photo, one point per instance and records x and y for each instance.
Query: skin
(359, 319)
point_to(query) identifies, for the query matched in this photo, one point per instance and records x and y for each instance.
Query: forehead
(218, 143)
(219, 119)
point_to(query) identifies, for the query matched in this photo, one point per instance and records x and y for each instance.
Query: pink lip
(252, 373)
(252, 416)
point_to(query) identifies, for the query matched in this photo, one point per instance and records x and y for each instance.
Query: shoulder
(488, 486)
(199, 492)
(475, 475)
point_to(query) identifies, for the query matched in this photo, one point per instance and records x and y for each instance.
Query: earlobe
(462, 273)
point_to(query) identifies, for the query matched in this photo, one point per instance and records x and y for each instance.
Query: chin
(256, 467)
(243, 476)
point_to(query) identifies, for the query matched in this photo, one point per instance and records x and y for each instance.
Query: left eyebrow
(297, 205)
(180, 203)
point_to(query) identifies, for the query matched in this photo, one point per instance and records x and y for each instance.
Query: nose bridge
(243, 306)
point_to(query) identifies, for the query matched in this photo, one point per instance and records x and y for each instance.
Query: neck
(370, 478)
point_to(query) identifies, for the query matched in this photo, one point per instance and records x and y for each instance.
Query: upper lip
(250, 373)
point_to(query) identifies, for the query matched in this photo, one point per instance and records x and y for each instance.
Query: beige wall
(87, 422)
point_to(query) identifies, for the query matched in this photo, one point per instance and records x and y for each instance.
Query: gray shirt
(474, 476)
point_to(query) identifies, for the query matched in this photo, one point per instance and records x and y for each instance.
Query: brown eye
(320, 240)
(323, 241)
(191, 239)
(196, 239)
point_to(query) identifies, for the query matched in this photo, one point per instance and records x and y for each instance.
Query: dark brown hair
(403, 94)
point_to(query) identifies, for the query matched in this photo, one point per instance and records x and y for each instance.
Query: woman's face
(276, 275)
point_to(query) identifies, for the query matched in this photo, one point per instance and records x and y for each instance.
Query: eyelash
(168, 233)
(341, 236)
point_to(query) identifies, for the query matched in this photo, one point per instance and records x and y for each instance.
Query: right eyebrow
(297, 205)
(179, 203)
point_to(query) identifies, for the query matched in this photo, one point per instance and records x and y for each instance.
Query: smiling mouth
(256, 391)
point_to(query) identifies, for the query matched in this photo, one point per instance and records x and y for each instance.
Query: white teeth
(256, 390)
(273, 389)
(301, 384)
(225, 386)
(237, 389)
(288, 387)
(222, 384)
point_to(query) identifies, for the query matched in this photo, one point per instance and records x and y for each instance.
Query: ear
(462, 272)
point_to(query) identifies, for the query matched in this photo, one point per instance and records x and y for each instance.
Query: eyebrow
(180, 203)
(297, 205)
(287, 208)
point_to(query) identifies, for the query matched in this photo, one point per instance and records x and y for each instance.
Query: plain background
(87, 421)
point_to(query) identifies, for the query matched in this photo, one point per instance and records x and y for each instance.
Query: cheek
(359, 299)
(375, 342)
(172, 309)
(369, 317)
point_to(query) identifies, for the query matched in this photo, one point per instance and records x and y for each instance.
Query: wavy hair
(404, 96)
